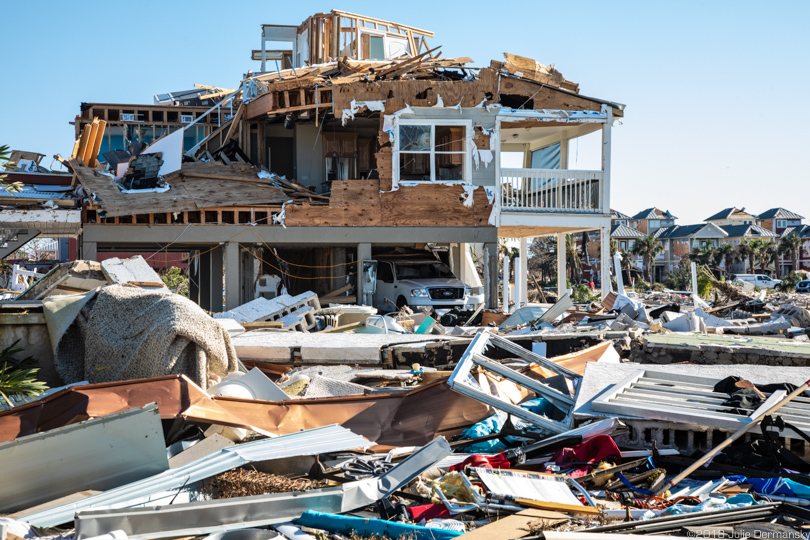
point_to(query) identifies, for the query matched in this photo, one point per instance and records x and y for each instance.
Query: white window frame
(371, 32)
(433, 122)
(781, 223)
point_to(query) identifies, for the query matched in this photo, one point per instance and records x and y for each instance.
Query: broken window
(432, 152)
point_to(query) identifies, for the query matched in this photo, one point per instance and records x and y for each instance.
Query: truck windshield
(423, 270)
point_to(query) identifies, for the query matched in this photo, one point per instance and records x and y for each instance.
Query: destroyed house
(359, 140)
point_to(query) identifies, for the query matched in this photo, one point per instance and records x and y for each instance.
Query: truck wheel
(401, 302)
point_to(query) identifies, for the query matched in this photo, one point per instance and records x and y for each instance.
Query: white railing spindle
(552, 190)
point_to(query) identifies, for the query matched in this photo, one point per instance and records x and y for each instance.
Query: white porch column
(522, 277)
(604, 264)
(505, 284)
(564, 150)
(606, 139)
(561, 279)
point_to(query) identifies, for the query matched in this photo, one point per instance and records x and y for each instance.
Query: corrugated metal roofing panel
(102, 453)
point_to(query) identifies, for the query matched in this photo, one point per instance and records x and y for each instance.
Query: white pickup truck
(420, 282)
(760, 280)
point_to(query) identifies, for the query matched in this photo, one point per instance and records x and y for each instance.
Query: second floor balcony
(553, 191)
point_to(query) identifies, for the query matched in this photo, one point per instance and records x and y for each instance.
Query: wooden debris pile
(528, 68)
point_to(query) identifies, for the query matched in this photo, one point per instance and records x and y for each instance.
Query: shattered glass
(414, 138)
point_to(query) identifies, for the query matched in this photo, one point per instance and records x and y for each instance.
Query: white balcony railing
(552, 190)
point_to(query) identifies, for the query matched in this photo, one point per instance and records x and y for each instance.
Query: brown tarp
(403, 418)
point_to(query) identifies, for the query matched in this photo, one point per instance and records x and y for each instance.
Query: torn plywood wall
(360, 203)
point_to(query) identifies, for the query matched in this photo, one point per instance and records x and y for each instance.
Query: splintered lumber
(235, 122)
(97, 143)
(87, 151)
(81, 144)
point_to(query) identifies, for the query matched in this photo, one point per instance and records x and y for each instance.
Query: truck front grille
(446, 293)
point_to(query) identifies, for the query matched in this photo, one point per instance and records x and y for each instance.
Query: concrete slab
(711, 349)
(346, 348)
(599, 378)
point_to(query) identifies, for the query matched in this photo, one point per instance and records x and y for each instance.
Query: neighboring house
(786, 262)
(732, 216)
(383, 154)
(626, 237)
(778, 219)
(679, 240)
(618, 218)
(738, 233)
(650, 220)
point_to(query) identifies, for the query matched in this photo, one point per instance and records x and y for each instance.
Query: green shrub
(789, 281)
(18, 377)
(583, 293)
(641, 285)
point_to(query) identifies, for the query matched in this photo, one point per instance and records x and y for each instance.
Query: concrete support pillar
(491, 275)
(341, 269)
(217, 265)
(457, 261)
(210, 280)
(561, 273)
(194, 277)
(363, 254)
(604, 263)
(233, 296)
(90, 251)
(248, 273)
(522, 274)
(204, 279)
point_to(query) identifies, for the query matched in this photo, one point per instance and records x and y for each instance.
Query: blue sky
(715, 91)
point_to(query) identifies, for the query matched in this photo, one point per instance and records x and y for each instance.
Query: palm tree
(792, 245)
(572, 258)
(627, 264)
(767, 251)
(648, 247)
(746, 251)
(725, 252)
(701, 255)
